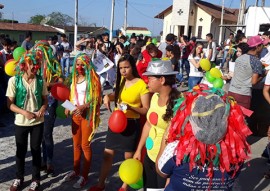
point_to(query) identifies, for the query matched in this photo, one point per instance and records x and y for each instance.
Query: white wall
(205, 23)
(254, 17)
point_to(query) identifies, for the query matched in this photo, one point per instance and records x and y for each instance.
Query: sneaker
(16, 185)
(96, 188)
(80, 183)
(43, 168)
(69, 176)
(34, 186)
(50, 172)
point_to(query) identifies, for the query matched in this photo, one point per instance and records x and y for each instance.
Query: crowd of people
(163, 124)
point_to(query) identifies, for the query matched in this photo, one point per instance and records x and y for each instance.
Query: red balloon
(60, 92)
(118, 121)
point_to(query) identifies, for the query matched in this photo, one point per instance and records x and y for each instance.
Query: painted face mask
(80, 69)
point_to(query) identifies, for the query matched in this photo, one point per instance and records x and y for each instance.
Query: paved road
(250, 179)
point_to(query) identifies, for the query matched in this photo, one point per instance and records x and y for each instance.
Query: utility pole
(221, 23)
(112, 19)
(76, 24)
(125, 17)
(241, 12)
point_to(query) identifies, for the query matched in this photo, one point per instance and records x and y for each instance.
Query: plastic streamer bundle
(50, 67)
(93, 91)
(28, 58)
(226, 152)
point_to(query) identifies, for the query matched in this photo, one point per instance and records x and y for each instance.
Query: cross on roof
(180, 11)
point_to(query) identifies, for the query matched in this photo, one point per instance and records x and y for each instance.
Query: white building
(257, 20)
(196, 18)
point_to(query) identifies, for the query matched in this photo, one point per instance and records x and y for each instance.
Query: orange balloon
(10, 67)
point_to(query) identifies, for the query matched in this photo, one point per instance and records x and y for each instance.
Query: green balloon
(218, 83)
(209, 77)
(138, 185)
(60, 112)
(18, 52)
(154, 41)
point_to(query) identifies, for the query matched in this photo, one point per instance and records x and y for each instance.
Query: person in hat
(27, 98)
(128, 83)
(85, 94)
(247, 72)
(161, 81)
(205, 145)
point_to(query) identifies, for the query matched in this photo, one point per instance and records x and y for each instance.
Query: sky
(140, 12)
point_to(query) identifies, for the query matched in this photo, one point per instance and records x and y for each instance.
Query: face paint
(80, 69)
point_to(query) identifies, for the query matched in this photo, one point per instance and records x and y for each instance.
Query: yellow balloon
(10, 67)
(215, 73)
(205, 64)
(130, 171)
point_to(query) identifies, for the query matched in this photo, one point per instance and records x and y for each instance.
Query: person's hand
(29, 115)
(106, 101)
(79, 110)
(137, 155)
(41, 112)
(66, 112)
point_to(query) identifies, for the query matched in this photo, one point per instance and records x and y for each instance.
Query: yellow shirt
(30, 103)
(132, 97)
(158, 127)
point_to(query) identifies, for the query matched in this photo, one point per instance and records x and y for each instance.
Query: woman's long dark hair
(174, 94)
(193, 52)
(119, 85)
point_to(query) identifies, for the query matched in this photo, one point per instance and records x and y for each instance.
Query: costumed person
(147, 55)
(27, 98)
(161, 79)
(86, 96)
(51, 72)
(205, 145)
(128, 83)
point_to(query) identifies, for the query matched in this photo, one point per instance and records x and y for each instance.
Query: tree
(54, 18)
(36, 19)
(58, 18)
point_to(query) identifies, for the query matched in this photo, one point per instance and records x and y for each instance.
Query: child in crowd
(86, 96)
(205, 146)
(128, 83)
(146, 56)
(161, 79)
(27, 98)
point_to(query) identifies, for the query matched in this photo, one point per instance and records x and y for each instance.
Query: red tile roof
(137, 28)
(211, 9)
(26, 27)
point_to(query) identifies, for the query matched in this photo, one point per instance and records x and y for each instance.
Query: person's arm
(11, 105)
(255, 78)
(266, 93)
(107, 99)
(145, 99)
(210, 52)
(194, 63)
(162, 147)
(145, 133)
(43, 108)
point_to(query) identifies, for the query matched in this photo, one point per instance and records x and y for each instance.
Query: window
(199, 32)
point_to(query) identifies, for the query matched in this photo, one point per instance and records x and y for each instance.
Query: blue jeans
(47, 142)
(65, 64)
(184, 63)
(225, 53)
(193, 81)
